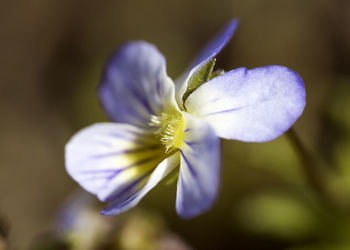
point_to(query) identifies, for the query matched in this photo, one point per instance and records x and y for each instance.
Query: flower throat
(170, 128)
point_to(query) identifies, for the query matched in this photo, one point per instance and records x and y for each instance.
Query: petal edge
(255, 105)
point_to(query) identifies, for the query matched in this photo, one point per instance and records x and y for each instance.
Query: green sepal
(201, 76)
(216, 73)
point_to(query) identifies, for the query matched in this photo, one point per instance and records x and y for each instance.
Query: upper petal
(250, 105)
(214, 46)
(206, 54)
(200, 170)
(135, 84)
(113, 161)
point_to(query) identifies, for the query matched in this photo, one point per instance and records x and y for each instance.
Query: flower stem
(312, 170)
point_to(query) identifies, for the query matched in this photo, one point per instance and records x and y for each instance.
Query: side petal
(111, 160)
(206, 54)
(164, 168)
(200, 170)
(135, 84)
(255, 105)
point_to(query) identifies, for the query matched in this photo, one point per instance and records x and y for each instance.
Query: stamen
(169, 129)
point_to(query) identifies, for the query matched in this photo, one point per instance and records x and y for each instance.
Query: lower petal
(200, 171)
(130, 200)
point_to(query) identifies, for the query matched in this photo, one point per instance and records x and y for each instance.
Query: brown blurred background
(51, 57)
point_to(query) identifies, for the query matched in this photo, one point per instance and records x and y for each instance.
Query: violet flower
(159, 127)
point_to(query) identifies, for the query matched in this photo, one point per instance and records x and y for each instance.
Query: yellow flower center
(170, 129)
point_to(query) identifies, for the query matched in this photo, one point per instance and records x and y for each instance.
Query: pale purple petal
(206, 54)
(200, 170)
(135, 84)
(250, 105)
(112, 160)
(162, 170)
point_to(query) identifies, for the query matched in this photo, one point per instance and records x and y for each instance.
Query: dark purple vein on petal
(121, 193)
(190, 167)
(133, 165)
(223, 111)
(192, 144)
(140, 98)
(116, 171)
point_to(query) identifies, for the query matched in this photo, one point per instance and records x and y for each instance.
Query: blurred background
(51, 57)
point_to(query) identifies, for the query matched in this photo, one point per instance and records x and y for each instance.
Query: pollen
(169, 128)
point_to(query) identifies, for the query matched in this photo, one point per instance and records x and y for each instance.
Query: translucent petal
(250, 105)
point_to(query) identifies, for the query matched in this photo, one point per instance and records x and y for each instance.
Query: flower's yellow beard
(170, 129)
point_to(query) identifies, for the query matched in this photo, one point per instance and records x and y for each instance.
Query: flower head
(159, 127)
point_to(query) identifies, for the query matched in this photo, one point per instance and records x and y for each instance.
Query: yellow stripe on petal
(130, 178)
(104, 158)
(128, 158)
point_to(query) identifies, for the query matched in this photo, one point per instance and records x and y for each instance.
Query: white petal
(110, 159)
(250, 105)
